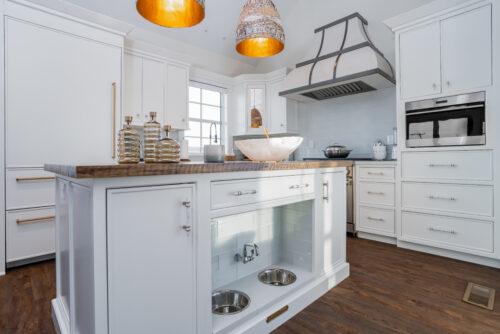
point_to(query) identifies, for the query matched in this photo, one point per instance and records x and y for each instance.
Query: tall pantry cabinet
(62, 104)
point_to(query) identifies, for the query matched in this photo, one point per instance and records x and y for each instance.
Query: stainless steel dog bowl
(277, 277)
(227, 302)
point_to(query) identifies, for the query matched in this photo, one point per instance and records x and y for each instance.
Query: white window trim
(223, 106)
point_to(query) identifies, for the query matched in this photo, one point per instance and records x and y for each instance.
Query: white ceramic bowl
(273, 149)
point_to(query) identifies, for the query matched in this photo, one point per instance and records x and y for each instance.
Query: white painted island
(141, 249)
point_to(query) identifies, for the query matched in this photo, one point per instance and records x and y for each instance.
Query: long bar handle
(20, 221)
(443, 165)
(20, 179)
(436, 229)
(244, 192)
(114, 120)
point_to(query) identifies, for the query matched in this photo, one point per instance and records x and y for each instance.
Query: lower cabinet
(334, 220)
(163, 266)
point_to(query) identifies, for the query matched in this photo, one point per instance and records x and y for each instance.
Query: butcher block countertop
(116, 170)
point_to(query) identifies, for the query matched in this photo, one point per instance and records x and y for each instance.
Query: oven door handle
(445, 109)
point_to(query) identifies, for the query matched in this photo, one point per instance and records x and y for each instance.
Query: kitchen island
(141, 248)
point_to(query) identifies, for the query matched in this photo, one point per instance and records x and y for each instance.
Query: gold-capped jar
(129, 146)
(152, 133)
(167, 149)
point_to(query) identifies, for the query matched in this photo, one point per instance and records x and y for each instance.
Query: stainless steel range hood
(346, 63)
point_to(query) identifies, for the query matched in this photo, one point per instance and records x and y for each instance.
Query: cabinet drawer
(468, 199)
(29, 188)
(378, 220)
(377, 173)
(376, 193)
(448, 232)
(451, 165)
(239, 192)
(30, 233)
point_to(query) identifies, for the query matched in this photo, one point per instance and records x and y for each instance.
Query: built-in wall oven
(451, 121)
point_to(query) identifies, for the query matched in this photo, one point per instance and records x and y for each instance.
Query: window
(206, 105)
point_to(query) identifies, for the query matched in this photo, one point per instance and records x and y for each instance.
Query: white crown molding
(427, 12)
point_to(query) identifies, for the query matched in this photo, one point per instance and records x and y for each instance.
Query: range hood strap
(374, 48)
(317, 56)
(341, 50)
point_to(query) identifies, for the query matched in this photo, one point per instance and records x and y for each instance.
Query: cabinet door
(277, 108)
(176, 103)
(132, 88)
(334, 219)
(153, 88)
(419, 57)
(59, 96)
(151, 276)
(466, 50)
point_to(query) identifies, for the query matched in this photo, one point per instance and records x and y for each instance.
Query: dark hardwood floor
(25, 295)
(393, 290)
(390, 290)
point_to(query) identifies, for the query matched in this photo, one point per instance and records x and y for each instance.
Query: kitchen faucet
(250, 251)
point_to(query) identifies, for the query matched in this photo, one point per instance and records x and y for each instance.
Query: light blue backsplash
(355, 121)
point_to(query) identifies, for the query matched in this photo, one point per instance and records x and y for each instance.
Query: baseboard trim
(484, 261)
(23, 262)
(60, 325)
(379, 238)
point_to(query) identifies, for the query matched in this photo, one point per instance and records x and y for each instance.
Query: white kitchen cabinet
(144, 87)
(62, 94)
(164, 228)
(466, 50)
(447, 56)
(419, 58)
(334, 218)
(282, 112)
(375, 200)
(176, 96)
(132, 88)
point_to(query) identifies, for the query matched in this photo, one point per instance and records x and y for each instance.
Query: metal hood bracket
(346, 63)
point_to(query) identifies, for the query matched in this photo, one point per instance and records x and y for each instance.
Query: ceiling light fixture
(260, 32)
(172, 13)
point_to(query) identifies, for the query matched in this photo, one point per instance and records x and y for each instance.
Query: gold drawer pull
(28, 220)
(276, 314)
(21, 179)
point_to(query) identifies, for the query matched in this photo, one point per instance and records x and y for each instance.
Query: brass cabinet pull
(114, 120)
(326, 190)
(20, 221)
(20, 179)
(276, 314)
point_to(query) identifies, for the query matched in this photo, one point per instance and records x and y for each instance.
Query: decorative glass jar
(152, 133)
(129, 146)
(167, 149)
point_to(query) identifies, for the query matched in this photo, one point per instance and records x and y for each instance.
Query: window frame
(223, 120)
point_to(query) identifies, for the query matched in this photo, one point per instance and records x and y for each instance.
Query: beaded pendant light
(172, 13)
(260, 32)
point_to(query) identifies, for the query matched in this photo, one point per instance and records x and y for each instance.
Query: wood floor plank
(395, 290)
(390, 290)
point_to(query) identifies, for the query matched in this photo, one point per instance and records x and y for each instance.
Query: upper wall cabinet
(176, 96)
(420, 61)
(155, 84)
(143, 87)
(449, 56)
(282, 111)
(466, 50)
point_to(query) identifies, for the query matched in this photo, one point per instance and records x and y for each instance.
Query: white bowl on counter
(272, 149)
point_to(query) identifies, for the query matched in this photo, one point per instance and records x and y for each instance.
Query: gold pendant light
(172, 13)
(260, 32)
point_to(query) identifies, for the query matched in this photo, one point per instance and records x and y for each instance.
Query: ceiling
(216, 33)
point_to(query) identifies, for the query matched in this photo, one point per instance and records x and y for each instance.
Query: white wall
(355, 121)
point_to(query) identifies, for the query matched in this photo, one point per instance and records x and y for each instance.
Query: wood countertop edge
(132, 170)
